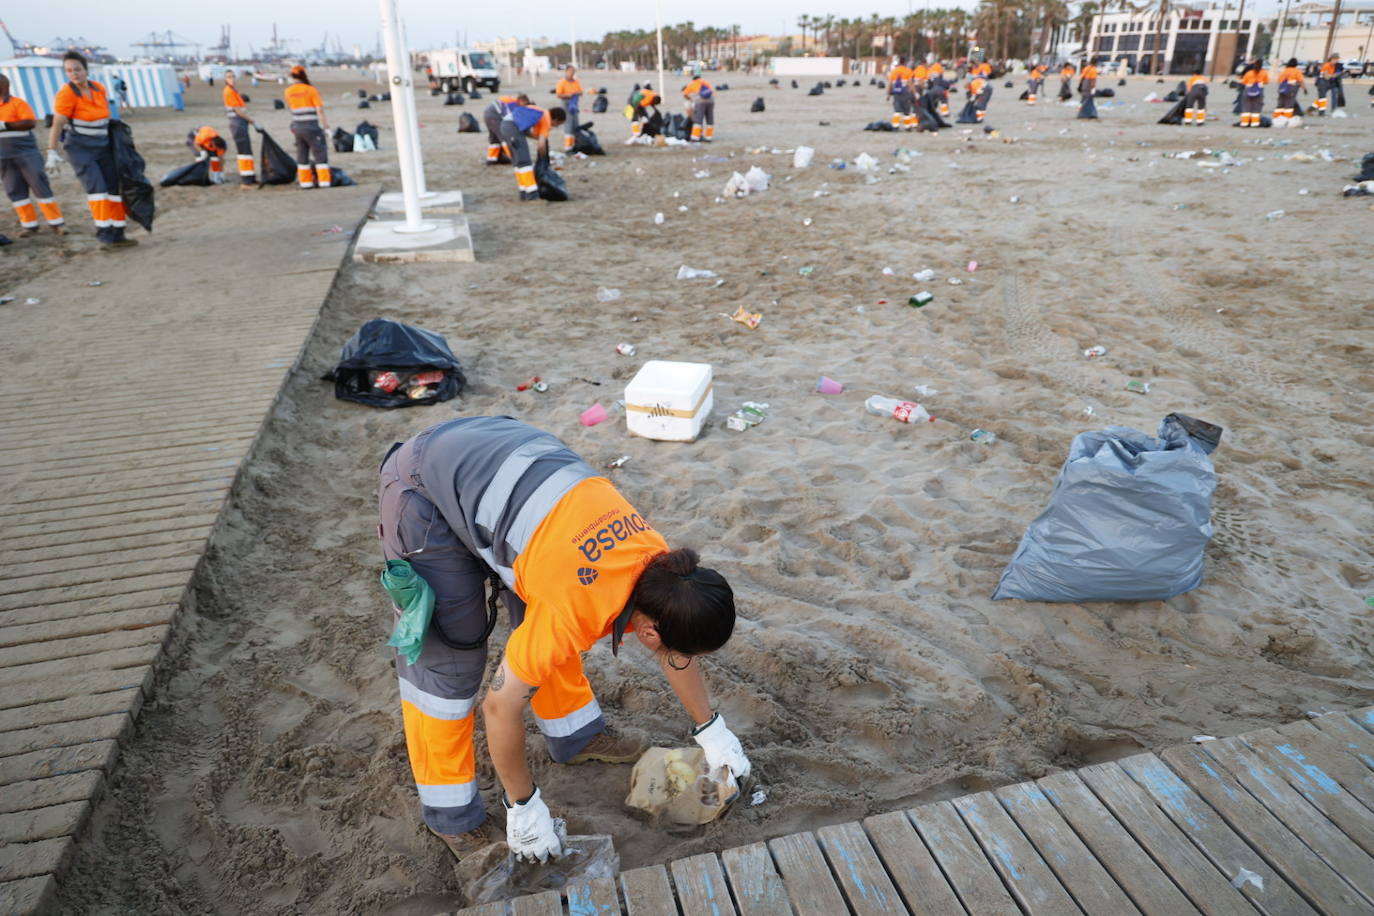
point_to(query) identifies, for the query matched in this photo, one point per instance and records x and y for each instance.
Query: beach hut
(35, 80)
(150, 85)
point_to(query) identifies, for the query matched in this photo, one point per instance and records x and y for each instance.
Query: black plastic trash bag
(551, 184)
(379, 364)
(338, 178)
(196, 173)
(368, 130)
(134, 188)
(1128, 519)
(278, 104)
(1175, 114)
(474, 95)
(1366, 168)
(816, 90)
(879, 125)
(454, 98)
(585, 141)
(364, 104)
(794, 84)
(276, 166)
(467, 124)
(757, 105)
(1104, 93)
(362, 93)
(343, 141)
(600, 105)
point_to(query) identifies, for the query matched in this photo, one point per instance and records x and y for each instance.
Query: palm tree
(804, 23)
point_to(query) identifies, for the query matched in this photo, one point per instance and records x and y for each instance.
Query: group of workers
(920, 93)
(1253, 80)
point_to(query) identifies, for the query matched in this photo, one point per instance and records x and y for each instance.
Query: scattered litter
(32, 301)
(625, 349)
(1015, 199)
(983, 436)
(1088, 411)
(736, 186)
(1180, 206)
(746, 317)
(658, 219)
(1303, 192)
(751, 413)
(1198, 739)
(1274, 214)
(923, 276)
(532, 383)
(679, 783)
(972, 266)
(888, 272)
(331, 229)
(584, 858)
(837, 164)
(866, 163)
(6, 300)
(682, 209)
(955, 281)
(757, 179)
(759, 797)
(694, 273)
(1244, 877)
(618, 462)
(1094, 352)
(899, 410)
(821, 194)
(607, 295)
(1136, 386)
(806, 271)
(594, 415)
(802, 157)
(922, 298)
(827, 385)
(806, 221)
(95, 282)
(702, 173)
(925, 391)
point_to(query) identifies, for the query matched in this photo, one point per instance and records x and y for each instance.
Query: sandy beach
(869, 669)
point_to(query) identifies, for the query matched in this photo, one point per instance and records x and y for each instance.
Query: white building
(1214, 38)
(1302, 32)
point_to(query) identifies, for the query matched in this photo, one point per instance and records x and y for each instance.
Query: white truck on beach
(464, 69)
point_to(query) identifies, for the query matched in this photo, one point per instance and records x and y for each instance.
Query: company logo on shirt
(586, 575)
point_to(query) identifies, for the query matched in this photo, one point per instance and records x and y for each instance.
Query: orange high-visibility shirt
(1291, 75)
(1195, 79)
(899, 72)
(576, 575)
(541, 127)
(1067, 70)
(976, 85)
(567, 88)
(232, 99)
(937, 69)
(205, 138)
(303, 98)
(1090, 72)
(1255, 77)
(16, 109)
(91, 105)
(983, 69)
(694, 87)
(920, 72)
(1328, 70)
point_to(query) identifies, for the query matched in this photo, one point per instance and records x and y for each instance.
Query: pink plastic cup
(594, 415)
(827, 385)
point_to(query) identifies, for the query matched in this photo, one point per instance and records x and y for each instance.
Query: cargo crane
(164, 45)
(21, 48)
(220, 51)
(277, 50)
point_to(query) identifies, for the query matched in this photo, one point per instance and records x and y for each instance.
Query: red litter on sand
(528, 383)
(387, 381)
(972, 266)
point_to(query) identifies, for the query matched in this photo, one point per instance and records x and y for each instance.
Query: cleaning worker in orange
(239, 121)
(521, 120)
(498, 152)
(569, 91)
(206, 143)
(1034, 82)
(701, 106)
(1195, 99)
(492, 500)
(1329, 84)
(642, 108)
(1290, 81)
(899, 91)
(936, 74)
(1252, 83)
(21, 166)
(1087, 85)
(82, 110)
(309, 126)
(1066, 73)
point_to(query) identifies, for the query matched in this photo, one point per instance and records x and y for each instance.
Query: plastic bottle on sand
(905, 411)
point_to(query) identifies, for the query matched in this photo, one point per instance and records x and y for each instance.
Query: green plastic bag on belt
(415, 599)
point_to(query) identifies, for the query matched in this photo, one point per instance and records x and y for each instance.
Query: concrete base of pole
(435, 201)
(379, 242)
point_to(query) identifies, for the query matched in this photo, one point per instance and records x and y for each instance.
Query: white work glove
(530, 831)
(216, 178)
(722, 748)
(54, 164)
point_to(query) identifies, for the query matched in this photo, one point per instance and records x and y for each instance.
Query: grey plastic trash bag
(1128, 519)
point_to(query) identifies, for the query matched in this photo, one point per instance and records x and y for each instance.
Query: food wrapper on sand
(495, 874)
(677, 783)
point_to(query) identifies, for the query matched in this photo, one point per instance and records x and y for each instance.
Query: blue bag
(1128, 519)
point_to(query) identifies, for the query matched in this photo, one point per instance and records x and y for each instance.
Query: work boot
(463, 845)
(611, 747)
(27, 232)
(59, 229)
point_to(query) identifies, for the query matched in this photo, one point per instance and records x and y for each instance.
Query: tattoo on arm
(499, 679)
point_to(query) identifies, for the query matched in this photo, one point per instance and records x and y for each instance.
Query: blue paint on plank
(580, 902)
(1367, 717)
(1217, 776)
(999, 845)
(710, 891)
(1172, 791)
(1308, 771)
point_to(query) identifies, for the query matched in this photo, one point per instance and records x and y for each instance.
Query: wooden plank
(1209, 833)
(810, 886)
(55, 790)
(77, 684)
(647, 892)
(918, 879)
(73, 609)
(27, 895)
(547, 903)
(90, 591)
(72, 709)
(1306, 822)
(1312, 782)
(1082, 875)
(44, 823)
(701, 887)
(134, 657)
(91, 625)
(1023, 871)
(1364, 717)
(64, 734)
(78, 646)
(29, 860)
(1118, 852)
(862, 878)
(596, 897)
(1333, 757)
(1210, 890)
(1275, 843)
(14, 592)
(757, 887)
(1357, 742)
(495, 908)
(98, 755)
(970, 873)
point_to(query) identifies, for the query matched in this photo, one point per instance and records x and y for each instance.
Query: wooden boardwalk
(1278, 821)
(123, 420)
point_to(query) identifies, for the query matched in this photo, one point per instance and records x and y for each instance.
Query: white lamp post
(407, 143)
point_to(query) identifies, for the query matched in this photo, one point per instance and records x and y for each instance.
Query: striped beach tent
(150, 85)
(35, 80)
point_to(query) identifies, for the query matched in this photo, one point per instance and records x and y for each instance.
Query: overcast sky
(430, 23)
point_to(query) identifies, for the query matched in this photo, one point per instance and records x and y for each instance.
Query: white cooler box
(669, 401)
